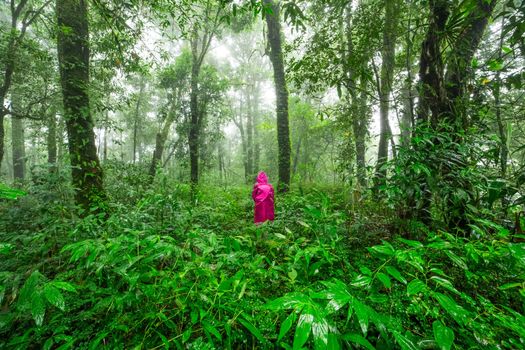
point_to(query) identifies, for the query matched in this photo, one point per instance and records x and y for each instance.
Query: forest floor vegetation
(164, 272)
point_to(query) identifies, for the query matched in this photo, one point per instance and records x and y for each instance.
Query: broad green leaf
(164, 340)
(288, 301)
(365, 270)
(64, 286)
(385, 249)
(320, 332)
(459, 314)
(302, 331)
(404, 342)
(510, 285)
(396, 274)
(10, 193)
(445, 283)
(359, 339)
(38, 308)
(252, 329)
(210, 328)
(186, 335)
(362, 313)
(440, 244)
(48, 344)
(333, 342)
(5, 248)
(457, 260)
(286, 325)
(29, 287)
(54, 297)
(337, 294)
(443, 335)
(361, 281)
(95, 344)
(304, 224)
(384, 279)
(415, 286)
(292, 274)
(411, 243)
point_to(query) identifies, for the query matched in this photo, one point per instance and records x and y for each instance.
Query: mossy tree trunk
(249, 137)
(200, 44)
(18, 151)
(52, 142)
(443, 98)
(73, 58)
(162, 135)
(386, 78)
(136, 119)
(281, 90)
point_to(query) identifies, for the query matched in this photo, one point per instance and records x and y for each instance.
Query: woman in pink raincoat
(263, 196)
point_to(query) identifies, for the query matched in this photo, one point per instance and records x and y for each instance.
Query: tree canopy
(132, 133)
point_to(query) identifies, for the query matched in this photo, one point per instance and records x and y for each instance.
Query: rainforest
(262, 174)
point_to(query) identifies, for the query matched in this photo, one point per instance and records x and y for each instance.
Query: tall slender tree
(443, 97)
(52, 141)
(274, 35)
(200, 41)
(18, 152)
(23, 14)
(73, 57)
(385, 85)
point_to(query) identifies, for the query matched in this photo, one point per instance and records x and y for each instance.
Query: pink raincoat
(263, 195)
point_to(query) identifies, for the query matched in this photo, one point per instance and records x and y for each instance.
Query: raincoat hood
(262, 178)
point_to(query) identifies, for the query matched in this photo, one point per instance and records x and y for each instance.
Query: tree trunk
(136, 119)
(220, 160)
(105, 145)
(443, 99)
(359, 127)
(244, 147)
(408, 119)
(249, 138)
(9, 69)
(52, 142)
(283, 129)
(406, 123)
(502, 127)
(459, 64)
(18, 152)
(256, 145)
(431, 88)
(296, 155)
(2, 135)
(386, 77)
(193, 136)
(73, 58)
(161, 138)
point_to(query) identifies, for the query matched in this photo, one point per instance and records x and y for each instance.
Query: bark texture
(136, 117)
(200, 44)
(161, 138)
(281, 90)
(52, 142)
(360, 130)
(73, 57)
(443, 99)
(432, 94)
(386, 77)
(18, 152)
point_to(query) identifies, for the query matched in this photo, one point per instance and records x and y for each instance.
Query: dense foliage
(132, 131)
(164, 272)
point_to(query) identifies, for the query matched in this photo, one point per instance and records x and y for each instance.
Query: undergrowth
(168, 271)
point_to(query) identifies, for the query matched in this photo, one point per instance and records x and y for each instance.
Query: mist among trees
(132, 133)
